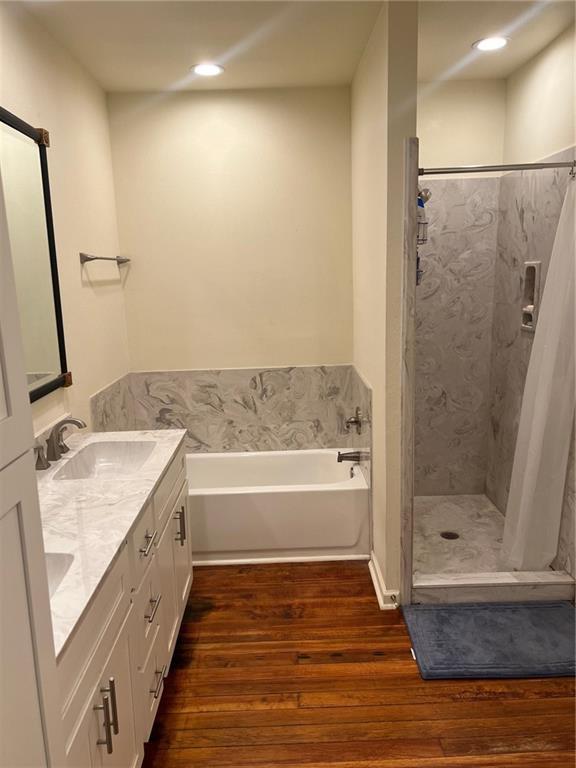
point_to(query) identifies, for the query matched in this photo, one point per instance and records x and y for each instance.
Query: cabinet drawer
(147, 614)
(141, 545)
(169, 485)
(149, 685)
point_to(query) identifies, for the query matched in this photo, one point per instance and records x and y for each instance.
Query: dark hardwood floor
(295, 665)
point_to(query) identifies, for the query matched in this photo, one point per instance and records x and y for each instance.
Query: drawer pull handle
(156, 691)
(107, 741)
(181, 516)
(113, 703)
(155, 602)
(150, 539)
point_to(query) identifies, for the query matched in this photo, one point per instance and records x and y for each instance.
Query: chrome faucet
(355, 456)
(55, 444)
(355, 421)
(41, 460)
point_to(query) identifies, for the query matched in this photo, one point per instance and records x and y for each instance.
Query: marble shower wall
(530, 206)
(240, 409)
(454, 307)
(471, 353)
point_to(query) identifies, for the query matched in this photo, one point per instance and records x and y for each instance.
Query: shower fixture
(355, 421)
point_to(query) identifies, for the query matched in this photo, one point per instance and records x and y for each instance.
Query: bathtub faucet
(355, 456)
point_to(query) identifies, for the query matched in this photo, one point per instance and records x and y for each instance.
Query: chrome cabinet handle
(181, 516)
(156, 691)
(155, 601)
(113, 704)
(150, 538)
(105, 708)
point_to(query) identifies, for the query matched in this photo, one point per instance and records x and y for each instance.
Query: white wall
(383, 116)
(369, 199)
(236, 209)
(525, 118)
(402, 95)
(461, 122)
(540, 107)
(43, 85)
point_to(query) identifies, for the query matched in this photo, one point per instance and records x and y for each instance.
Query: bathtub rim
(358, 482)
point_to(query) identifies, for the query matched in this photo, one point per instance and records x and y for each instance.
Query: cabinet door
(115, 745)
(21, 733)
(169, 606)
(182, 549)
(16, 434)
(78, 750)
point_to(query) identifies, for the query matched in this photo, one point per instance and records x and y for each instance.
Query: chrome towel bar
(86, 257)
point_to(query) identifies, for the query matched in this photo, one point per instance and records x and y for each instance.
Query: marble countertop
(91, 518)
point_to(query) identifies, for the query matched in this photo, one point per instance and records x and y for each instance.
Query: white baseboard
(387, 598)
(272, 560)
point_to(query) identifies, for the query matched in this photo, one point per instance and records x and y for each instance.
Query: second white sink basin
(106, 460)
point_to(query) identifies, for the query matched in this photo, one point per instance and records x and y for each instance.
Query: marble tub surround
(90, 519)
(454, 306)
(112, 408)
(245, 409)
(478, 524)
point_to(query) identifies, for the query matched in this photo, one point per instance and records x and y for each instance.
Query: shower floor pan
(456, 556)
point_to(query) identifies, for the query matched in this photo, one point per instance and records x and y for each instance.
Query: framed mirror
(26, 188)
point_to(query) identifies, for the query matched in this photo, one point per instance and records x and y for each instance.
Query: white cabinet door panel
(169, 606)
(182, 550)
(21, 732)
(123, 744)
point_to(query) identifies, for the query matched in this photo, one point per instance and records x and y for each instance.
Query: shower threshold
(498, 586)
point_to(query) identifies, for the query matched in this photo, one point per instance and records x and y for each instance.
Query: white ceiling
(149, 45)
(448, 29)
(136, 46)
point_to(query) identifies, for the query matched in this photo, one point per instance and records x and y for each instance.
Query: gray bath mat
(493, 640)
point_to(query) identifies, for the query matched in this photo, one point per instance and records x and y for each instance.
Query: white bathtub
(275, 506)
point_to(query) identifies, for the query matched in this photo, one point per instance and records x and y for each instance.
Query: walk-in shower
(494, 377)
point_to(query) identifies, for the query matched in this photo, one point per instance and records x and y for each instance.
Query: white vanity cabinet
(116, 661)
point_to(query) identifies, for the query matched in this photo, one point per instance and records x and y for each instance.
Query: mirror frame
(42, 139)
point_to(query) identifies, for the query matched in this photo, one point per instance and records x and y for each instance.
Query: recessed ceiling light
(490, 43)
(207, 69)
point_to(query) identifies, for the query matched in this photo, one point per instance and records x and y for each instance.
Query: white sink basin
(57, 565)
(106, 460)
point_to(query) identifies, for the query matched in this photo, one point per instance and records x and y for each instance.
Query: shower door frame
(408, 382)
